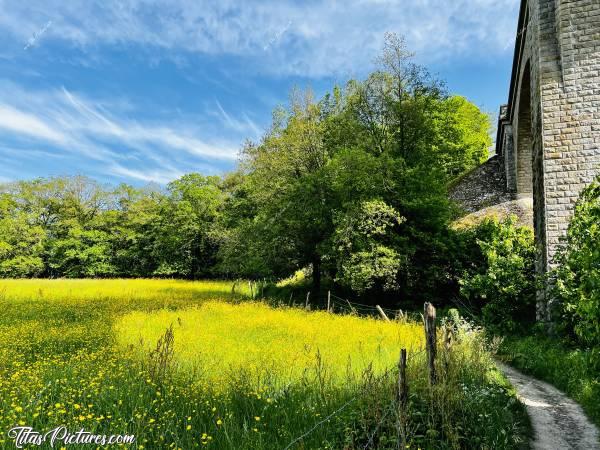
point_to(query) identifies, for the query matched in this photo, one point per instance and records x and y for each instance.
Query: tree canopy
(352, 186)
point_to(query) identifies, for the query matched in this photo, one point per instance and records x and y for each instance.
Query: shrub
(504, 285)
(577, 284)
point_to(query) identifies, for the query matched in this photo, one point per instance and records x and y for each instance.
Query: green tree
(365, 241)
(504, 284)
(577, 280)
(21, 242)
(184, 243)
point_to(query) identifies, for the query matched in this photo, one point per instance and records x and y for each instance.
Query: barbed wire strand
(363, 305)
(318, 424)
(370, 441)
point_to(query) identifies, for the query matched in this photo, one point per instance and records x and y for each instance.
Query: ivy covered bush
(577, 285)
(503, 282)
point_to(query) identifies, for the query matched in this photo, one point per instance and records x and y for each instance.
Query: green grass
(240, 374)
(574, 371)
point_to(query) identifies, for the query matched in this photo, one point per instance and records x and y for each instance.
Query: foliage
(20, 241)
(382, 148)
(574, 370)
(465, 136)
(577, 279)
(394, 139)
(65, 360)
(364, 241)
(504, 286)
(73, 227)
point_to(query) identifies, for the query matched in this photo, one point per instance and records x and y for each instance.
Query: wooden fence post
(328, 301)
(402, 398)
(430, 339)
(352, 307)
(307, 305)
(402, 385)
(382, 313)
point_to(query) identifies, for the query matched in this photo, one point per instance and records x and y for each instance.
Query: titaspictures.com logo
(62, 437)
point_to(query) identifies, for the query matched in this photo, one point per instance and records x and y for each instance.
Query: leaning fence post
(307, 305)
(328, 301)
(382, 313)
(399, 315)
(352, 307)
(430, 339)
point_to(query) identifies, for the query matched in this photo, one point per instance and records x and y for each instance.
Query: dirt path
(558, 422)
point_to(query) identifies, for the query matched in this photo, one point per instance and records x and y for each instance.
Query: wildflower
(257, 418)
(219, 422)
(189, 427)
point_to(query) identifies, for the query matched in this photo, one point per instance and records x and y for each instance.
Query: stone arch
(523, 153)
(551, 115)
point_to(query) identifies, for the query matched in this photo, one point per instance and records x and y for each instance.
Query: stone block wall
(554, 115)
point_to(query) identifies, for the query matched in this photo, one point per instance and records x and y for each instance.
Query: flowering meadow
(184, 365)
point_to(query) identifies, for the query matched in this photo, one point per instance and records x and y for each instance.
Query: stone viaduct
(549, 132)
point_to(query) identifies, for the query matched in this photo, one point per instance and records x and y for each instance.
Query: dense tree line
(351, 186)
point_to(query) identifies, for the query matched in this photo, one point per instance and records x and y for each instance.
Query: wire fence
(337, 304)
(390, 408)
(318, 424)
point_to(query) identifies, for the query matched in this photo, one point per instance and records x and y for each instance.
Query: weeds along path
(558, 422)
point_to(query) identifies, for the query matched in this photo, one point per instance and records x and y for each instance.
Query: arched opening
(524, 148)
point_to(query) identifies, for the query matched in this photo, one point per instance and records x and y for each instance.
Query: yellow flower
(189, 427)
(257, 418)
(219, 422)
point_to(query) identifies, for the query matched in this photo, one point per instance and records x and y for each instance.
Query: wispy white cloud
(157, 175)
(303, 38)
(13, 120)
(63, 123)
(245, 125)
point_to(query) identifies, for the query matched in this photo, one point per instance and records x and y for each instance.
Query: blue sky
(137, 91)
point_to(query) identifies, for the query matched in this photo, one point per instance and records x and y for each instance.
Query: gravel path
(558, 422)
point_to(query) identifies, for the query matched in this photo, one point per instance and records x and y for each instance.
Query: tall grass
(186, 365)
